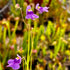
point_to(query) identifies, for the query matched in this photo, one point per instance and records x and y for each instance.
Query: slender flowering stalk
(9, 33)
(17, 6)
(32, 37)
(8, 26)
(30, 14)
(16, 25)
(4, 35)
(29, 35)
(0, 32)
(41, 9)
(14, 63)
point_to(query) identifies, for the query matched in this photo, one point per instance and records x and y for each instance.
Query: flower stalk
(16, 25)
(29, 35)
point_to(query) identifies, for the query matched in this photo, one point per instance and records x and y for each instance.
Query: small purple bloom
(41, 9)
(30, 14)
(14, 63)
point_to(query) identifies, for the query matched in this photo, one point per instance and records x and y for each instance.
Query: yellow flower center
(38, 7)
(29, 10)
(17, 58)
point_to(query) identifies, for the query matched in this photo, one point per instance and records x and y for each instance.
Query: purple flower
(30, 14)
(14, 63)
(41, 9)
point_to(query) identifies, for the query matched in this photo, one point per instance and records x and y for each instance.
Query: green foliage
(1, 66)
(37, 36)
(25, 41)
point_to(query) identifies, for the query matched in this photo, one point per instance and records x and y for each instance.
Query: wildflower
(5, 22)
(30, 14)
(20, 50)
(17, 18)
(17, 6)
(12, 47)
(41, 9)
(14, 63)
(34, 51)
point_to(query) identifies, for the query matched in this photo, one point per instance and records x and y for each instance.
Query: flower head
(12, 47)
(41, 9)
(20, 50)
(14, 63)
(34, 51)
(30, 14)
(17, 6)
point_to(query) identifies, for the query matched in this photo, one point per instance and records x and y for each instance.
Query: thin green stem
(32, 37)
(16, 25)
(9, 33)
(28, 57)
(35, 25)
(14, 2)
(22, 17)
(4, 35)
(1, 66)
(0, 32)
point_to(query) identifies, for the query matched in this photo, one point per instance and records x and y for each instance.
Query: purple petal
(28, 7)
(40, 12)
(29, 13)
(14, 66)
(34, 16)
(37, 5)
(10, 65)
(10, 61)
(45, 10)
(19, 58)
(28, 16)
(46, 7)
